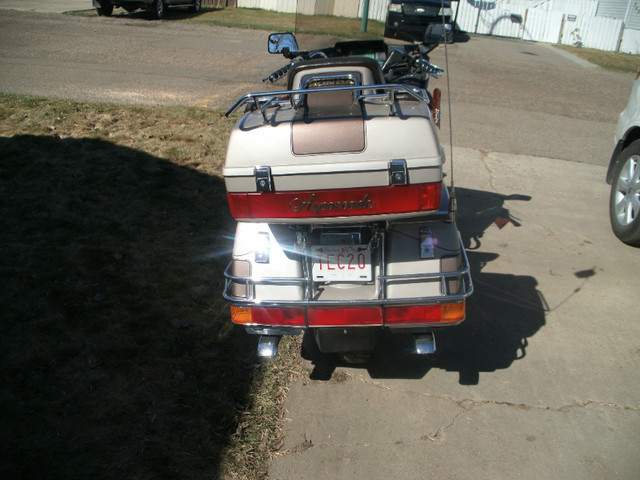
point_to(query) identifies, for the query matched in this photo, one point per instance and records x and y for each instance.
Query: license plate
(341, 263)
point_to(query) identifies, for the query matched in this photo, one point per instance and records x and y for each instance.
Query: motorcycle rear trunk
(343, 218)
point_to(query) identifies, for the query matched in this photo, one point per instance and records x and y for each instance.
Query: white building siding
(633, 18)
(613, 8)
(570, 22)
(630, 41)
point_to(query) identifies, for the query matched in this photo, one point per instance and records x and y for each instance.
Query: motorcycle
(345, 227)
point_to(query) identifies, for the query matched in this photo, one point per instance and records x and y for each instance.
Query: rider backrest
(366, 69)
(333, 72)
(331, 122)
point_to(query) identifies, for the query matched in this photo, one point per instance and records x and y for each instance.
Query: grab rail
(386, 93)
(305, 283)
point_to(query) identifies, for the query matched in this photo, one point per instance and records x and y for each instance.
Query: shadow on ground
(118, 359)
(502, 314)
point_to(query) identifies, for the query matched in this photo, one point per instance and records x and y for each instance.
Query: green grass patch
(119, 359)
(257, 19)
(288, 22)
(610, 60)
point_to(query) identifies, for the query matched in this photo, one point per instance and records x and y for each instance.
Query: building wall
(613, 8)
(630, 41)
(570, 22)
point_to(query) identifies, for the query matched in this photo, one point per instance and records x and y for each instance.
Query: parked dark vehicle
(157, 8)
(409, 19)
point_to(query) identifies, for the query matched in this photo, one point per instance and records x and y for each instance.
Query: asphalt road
(541, 379)
(507, 96)
(129, 60)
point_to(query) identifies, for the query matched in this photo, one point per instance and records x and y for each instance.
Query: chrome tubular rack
(385, 94)
(306, 283)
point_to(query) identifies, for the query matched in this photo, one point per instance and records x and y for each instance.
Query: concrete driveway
(540, 381)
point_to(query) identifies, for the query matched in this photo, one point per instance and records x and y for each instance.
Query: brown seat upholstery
(331, 122)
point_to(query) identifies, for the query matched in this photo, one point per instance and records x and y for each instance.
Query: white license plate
(341, 263)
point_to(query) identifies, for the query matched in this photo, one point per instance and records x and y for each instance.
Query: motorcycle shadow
(502, 314)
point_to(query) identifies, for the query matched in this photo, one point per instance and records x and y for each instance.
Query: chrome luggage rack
(307, 284)
(383, 94)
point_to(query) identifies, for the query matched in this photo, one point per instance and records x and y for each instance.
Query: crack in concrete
(466, 404)
(439, 435)
(484, 156)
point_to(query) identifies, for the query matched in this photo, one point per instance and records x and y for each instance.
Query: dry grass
(610, 60)
(289, 22)
(267, 20)
(119, 359)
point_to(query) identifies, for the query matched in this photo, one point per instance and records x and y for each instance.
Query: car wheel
(105, 9)
(159, 9)
(197, 5)
(624, 200)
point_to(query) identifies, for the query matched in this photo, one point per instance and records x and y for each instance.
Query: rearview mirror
(437, 33)
(279, 42)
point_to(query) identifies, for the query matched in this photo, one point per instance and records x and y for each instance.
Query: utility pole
(365, 16)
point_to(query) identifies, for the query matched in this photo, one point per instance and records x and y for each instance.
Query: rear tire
(197, 5)
(624, 199)
(159, 9)
(105, 9)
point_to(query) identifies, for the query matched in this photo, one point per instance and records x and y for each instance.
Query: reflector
(447, 313)
(344, 316)
(336, 203)
(268, 316)
(453, 312)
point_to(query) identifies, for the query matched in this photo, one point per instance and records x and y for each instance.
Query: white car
(624, 172)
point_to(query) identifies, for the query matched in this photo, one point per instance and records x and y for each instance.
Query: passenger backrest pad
(366, 69)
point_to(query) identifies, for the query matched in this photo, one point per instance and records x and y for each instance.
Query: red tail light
(337, 203)
(447, 313)
(344, 316)
(333, 317)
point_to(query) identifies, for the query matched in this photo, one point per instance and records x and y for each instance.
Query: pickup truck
(157, 8)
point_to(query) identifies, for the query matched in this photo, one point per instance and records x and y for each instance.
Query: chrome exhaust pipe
(425, 343)
(268, 346)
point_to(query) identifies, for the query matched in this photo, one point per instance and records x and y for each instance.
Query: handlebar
(428, 67)
(420, 68)
(278, 74)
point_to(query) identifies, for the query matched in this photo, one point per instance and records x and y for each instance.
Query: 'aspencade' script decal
(310, 204)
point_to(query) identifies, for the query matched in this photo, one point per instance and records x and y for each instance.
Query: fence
(339, 8)
(568, 22)
(544, 23)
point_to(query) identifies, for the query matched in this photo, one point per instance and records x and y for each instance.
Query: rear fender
(631, 136)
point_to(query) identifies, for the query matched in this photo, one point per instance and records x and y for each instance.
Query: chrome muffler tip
(268, 346)
(425, 343)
